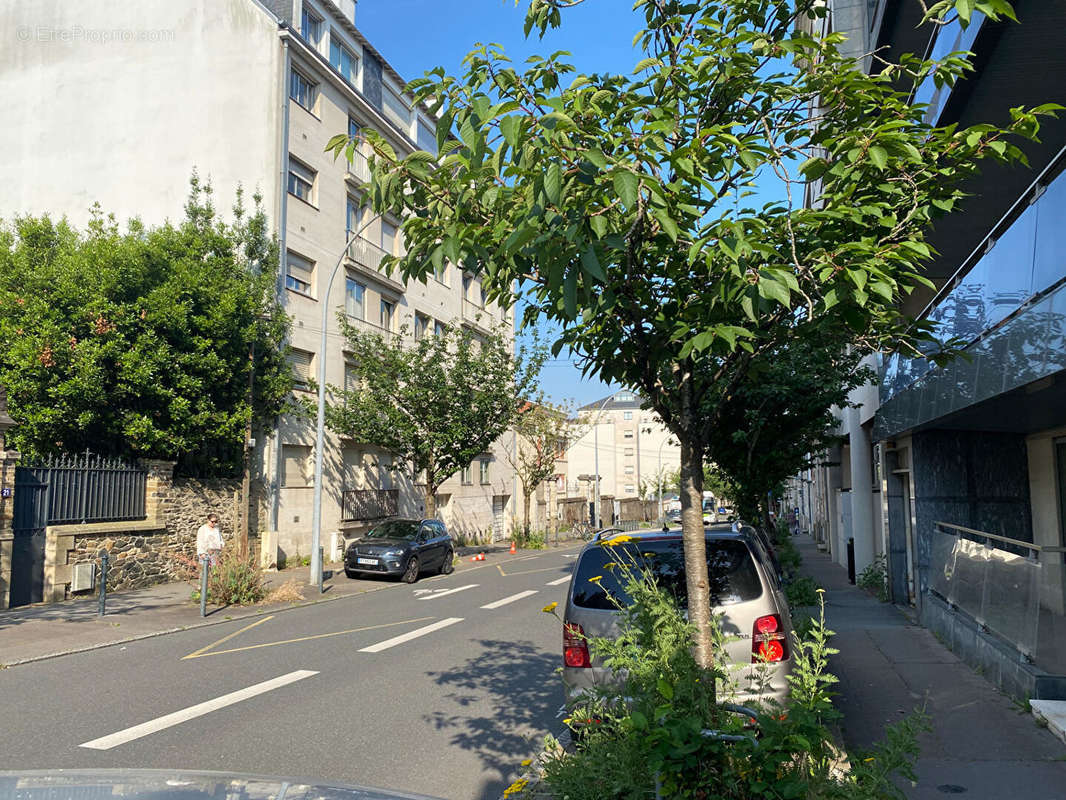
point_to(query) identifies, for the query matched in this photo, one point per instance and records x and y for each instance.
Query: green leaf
(553, 183)
(626, 184)
(598, 225)
(669, 226)
(570, 293)
(879, 156)
(665, 689)
(511, 128)
(774, 290)
(591, 264)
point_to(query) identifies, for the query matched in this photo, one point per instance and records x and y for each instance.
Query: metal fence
(368, 504)
(90, 488)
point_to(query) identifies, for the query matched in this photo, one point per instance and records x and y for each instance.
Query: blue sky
(418, 35)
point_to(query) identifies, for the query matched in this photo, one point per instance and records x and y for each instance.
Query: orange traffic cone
(513, 550)
(473, 558)
(480, 556)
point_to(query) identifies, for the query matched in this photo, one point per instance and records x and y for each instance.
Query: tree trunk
(431, 500)
(526, 496)
(697, 583)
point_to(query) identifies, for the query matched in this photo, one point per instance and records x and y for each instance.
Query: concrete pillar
(862, 504)
(8, 461)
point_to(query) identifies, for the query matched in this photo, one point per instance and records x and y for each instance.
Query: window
(296, 466)
(439, 328)
(388, 237)
(395, 108)
(464, 475)
(352, 381)
(627, 434)
(629, 470)
(427, 137)
(483, 470)
(467, 281)
(300, 273)
(355, 130)
(421, 326)
(300, 361)
(311, 26)
(343, 60)
(387, 310)
(441, 273)
(302, 90)
(629, 488)
(301, 180)
(628, 451)
(353, 216)
(628, 415)
(354, 299)
(624, 397)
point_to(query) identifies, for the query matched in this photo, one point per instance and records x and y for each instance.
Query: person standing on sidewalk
(209, 540)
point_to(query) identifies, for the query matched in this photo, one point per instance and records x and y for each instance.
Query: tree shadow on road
(515, 686)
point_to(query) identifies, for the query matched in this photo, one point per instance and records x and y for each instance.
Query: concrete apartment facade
(936, 463)
(632, 444)
(117, 103)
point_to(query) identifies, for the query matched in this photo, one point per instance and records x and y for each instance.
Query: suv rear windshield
(732, 572)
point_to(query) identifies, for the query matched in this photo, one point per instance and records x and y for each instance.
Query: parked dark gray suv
(401, 547)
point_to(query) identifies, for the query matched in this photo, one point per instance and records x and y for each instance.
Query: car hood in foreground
(380, 543)
(178, 785)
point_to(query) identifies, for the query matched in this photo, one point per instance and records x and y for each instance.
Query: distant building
(634, 447)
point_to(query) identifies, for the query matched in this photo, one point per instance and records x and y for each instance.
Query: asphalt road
(440, 688)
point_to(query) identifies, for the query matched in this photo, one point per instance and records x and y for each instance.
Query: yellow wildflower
(515, 787)
(868, 760)
(610, 565)
(550, 608)
(619, 539)
(820, 591)
(527, 762)
(597, 579)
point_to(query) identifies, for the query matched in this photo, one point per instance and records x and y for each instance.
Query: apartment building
(956, 476)
(630, 445)
(117, 103)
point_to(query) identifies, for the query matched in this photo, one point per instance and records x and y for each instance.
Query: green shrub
(647, 738)
(802, 592)
(529, 540)
(235, 581)
(874, 578)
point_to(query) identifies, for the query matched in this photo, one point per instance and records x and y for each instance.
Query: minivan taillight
(769, 642)
(575, 646)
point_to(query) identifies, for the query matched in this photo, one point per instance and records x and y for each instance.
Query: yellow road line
(196, 653)
(200, 654)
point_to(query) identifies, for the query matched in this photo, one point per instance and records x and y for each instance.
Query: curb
(204, 624)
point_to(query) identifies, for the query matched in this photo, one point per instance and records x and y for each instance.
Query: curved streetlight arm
(320, 421)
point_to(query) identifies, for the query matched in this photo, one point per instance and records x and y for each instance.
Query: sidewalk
(30, 633)
(982, 745)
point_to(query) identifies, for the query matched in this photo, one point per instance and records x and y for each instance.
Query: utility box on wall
(83, 576)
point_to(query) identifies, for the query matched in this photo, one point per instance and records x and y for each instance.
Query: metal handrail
(1016, 542)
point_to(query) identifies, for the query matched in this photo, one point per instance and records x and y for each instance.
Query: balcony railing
(360, 505)
(1007, 586)
(364, 252)
(358, 169)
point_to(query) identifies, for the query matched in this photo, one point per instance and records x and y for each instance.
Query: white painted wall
(115, 102)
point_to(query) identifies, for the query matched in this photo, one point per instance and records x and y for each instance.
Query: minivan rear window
(733, 575)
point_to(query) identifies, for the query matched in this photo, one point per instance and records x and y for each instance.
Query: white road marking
(510, 599)
(570, 555)
(192, 712)
(406, 637)
(433, 594)
(557, 582)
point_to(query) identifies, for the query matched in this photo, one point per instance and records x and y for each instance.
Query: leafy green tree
(618, 203)
(436, 405)
(137, 343)
(542, 431)
(779, 419)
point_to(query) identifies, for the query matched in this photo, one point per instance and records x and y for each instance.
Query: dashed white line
(192, 712)
(406, 637)
(557, 582)
(433, 594)
(510, 599)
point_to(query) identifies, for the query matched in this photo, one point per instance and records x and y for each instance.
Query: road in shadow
(519, 692)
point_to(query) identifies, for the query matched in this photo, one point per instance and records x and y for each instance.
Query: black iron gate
(31, 518)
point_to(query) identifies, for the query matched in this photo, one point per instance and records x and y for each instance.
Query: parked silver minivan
(745, 592)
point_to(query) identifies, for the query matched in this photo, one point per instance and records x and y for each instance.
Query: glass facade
(1026, 261)
(950, 38)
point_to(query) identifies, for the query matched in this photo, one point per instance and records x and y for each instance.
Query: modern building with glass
(956, 476)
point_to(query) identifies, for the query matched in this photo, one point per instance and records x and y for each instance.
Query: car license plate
(372, 561)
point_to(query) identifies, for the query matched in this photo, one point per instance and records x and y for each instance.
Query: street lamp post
(320, 422)
(660, 473)
(596, 511)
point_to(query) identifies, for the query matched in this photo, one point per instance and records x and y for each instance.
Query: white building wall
(115, 102)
